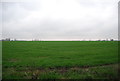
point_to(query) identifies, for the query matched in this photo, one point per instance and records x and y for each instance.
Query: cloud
(60, 19)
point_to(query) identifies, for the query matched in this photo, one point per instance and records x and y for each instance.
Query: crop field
(60, 59)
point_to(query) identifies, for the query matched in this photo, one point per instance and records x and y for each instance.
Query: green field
(59, 59)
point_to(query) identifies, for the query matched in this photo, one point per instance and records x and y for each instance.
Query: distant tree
(99, 40)
(15, 39)
(111, 40)
(7, 39)
(106, 39)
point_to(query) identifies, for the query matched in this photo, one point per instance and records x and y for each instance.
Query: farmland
(59, 59)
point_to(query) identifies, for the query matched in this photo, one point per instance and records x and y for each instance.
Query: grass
(22, 58)
(0, 59)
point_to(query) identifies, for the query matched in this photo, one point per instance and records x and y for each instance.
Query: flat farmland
(59, 59)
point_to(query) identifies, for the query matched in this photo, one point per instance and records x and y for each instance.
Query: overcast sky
(60, 19)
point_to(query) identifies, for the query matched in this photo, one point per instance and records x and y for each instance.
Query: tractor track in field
(34, 73)
(64, 68)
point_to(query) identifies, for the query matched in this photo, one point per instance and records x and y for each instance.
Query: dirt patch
(13, 60)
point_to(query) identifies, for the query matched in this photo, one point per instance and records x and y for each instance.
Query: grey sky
(60, 19)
